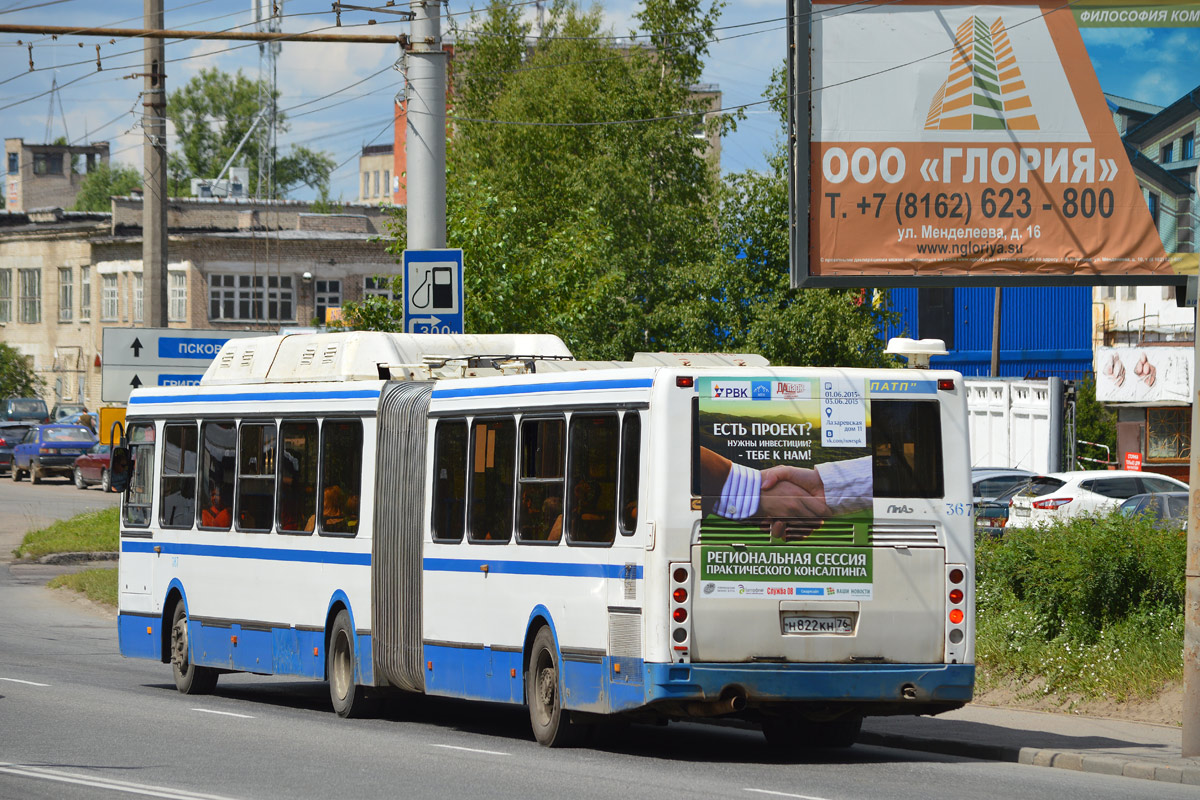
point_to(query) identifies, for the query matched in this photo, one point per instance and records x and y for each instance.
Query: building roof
(1156, 172)
(1169, 117)
(377, 150)
(1115, 102)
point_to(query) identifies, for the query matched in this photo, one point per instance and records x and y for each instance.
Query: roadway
(79, 721)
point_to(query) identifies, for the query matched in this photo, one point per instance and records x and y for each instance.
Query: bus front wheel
(552, 724)
(190, 678)
(347, 696)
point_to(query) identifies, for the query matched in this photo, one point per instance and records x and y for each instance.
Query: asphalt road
(79, 721)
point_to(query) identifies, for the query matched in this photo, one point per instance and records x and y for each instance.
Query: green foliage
(17, 378)
(1091, 605)
(98, 585)
(211, 114)
(102, 184)
(1094, 422)
(90, 532)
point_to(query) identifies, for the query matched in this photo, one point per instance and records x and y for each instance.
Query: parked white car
(1059, 495)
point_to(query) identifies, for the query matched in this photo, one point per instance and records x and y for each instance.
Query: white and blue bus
(485, 517)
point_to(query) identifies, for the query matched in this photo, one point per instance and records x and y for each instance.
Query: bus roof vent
(699, 360)
(360, 355)
(917, 351)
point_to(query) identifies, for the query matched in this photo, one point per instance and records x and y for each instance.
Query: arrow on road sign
(428, 320)
(137, 348)
(136, 382)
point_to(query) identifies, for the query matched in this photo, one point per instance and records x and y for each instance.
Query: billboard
(959, 144)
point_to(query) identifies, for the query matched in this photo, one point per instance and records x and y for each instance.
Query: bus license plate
(818, 623)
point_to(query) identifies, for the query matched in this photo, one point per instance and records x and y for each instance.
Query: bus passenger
(333, 511)
(216, 513)
(552, 514)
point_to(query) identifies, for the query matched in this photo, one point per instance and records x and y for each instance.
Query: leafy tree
(17, 378)
(211, 114)
(102, 184)
(1094, 422)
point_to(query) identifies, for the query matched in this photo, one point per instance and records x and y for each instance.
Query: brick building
(242, 265)
(47, 175)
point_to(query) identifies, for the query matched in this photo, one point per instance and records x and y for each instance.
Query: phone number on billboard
(991, 203)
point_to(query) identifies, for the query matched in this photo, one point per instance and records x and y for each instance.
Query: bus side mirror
(118, 469)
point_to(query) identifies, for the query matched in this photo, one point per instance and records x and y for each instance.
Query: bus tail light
(681, 613)
(946, 384)
(957, 621)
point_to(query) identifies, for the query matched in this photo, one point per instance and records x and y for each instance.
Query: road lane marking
(27, 683)
(223, 713)
(42, 773)
(784, 794)
(473, 750)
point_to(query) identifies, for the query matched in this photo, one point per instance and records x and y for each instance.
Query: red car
(92, 467)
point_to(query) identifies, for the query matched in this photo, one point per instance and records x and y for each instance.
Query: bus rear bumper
(891, 687)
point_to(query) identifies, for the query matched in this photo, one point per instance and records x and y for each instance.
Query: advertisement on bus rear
(812, 573)
(1008, 139)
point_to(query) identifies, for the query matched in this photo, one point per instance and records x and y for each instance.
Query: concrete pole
(995, 371)
(1191, 600)
(425, 145)
(154, 189)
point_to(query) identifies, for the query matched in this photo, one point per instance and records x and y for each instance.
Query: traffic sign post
(433, 291)
(135, 357)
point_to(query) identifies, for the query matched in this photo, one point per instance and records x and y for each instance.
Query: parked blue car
(50, 450)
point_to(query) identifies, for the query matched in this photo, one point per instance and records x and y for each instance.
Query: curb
(70, 558)
(1079, 762)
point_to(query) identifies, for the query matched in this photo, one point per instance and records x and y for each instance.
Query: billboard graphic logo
(731, 390)
(985, 91)
(761, 390)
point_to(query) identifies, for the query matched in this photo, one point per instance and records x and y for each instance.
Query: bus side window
(540, 510)
(297, 474)
(592, 479)
(256, 477)
(141, 479)
(178, 476)
(449, 480)
(493, 457)
(341, 475)
(218, 463)
(906, 439)
(631, 451)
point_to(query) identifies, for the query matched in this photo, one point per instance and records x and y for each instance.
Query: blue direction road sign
(433, 291)
(136, 357)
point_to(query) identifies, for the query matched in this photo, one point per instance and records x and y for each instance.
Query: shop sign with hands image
(1157, 374)
(785, 462)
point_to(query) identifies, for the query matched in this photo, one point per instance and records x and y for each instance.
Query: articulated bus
(485, 517)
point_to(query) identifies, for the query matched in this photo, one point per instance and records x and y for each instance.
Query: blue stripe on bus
(529, 568)
(531, 388)
(351, 394)
(257, 553)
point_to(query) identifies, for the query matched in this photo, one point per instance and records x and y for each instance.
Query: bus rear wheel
(552, 725)
(347, 696)
(798, 734)
(190, 678)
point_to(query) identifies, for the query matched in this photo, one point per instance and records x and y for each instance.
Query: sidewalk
(1066, 741)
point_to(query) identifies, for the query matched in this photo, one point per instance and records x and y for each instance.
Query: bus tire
(552, 725)
(347, 696)
(796, 735)
(190, 678)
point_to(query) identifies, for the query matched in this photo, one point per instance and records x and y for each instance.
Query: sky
(353, 109)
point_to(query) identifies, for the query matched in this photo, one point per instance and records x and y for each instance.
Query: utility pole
(425, 145)
(154, 184)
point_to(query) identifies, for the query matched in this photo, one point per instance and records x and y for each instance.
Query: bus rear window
(906, 442)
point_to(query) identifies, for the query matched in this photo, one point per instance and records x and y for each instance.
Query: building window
(110, 299)
(329, 295)
(366, 190)
(251, 298)
(387, 182)
(1188, 146)
(378, 286)
(5, 295)
(31, 295)
(1168, 153)
(14, 163)
(138, 297)
(177, 310)
(1168, 434)
(376, 184)
(47, 163)
(85, 293)
(1108, 293)
(66, 294)
(1152, 201)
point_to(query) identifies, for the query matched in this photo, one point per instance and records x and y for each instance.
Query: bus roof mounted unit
(917, 351)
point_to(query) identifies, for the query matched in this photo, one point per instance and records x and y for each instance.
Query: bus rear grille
(904, 535)
(795, 531)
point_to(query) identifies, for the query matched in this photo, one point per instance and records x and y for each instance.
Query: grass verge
(98, 585)
(90, 532)
(1088, 608)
